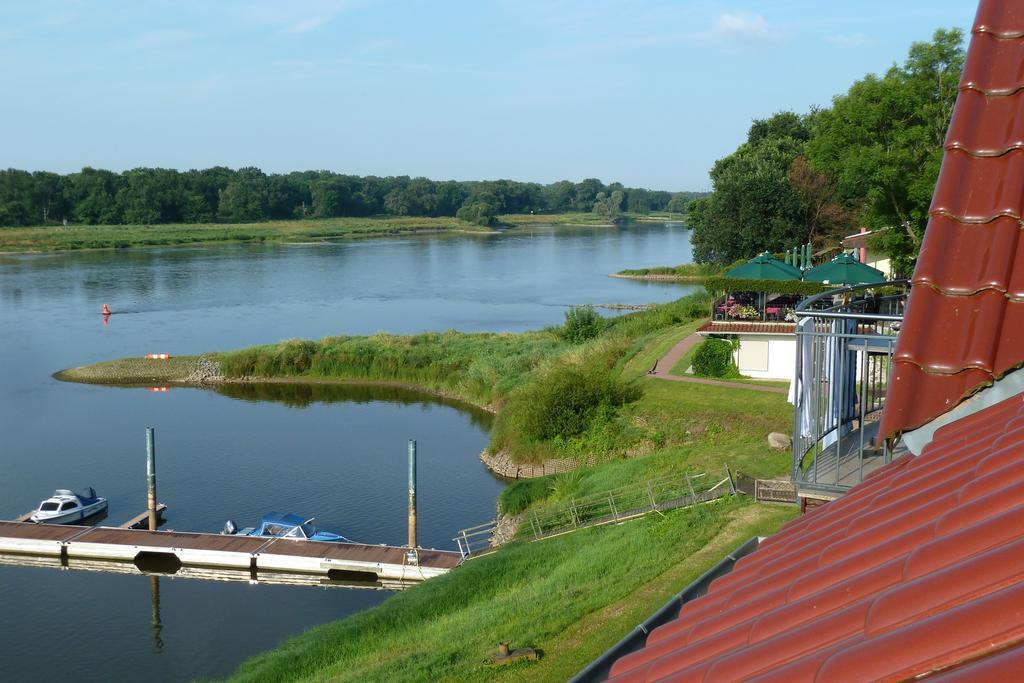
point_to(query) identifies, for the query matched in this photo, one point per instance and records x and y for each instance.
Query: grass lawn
(572, 597)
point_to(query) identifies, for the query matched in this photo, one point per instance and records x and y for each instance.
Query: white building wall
(781, 356)
(877, 259)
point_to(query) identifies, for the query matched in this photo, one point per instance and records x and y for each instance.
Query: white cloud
(308, 24)
(297, 16)
(744, 27)
(851, 40)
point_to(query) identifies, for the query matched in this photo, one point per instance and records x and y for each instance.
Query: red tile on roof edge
(994, 182)
(1000, 18)
(962, 331)
(932, 395)
(983, 260)
(972, 106)
(993, 66)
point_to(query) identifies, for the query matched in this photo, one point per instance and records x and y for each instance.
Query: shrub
(480, 213)
(713, 358)
(582, 323)
(562, 402)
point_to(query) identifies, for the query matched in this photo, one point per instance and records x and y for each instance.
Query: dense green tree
(284, 194)
(201, 191)
(332, 196)
(657, 200)
(16, 198)
(678, 201)
(558, 196)
(753, 207)
(155, 195)
(585, 193)
(783, 124)
(449, 196)
(151, 195)
(246, 198)
(882, 140)
(94, 193)
(49, 196)
(638, 201)
(609, 205)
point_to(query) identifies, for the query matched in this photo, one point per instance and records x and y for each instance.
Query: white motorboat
(68, 507)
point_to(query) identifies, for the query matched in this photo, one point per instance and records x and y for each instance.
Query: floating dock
(171, 551)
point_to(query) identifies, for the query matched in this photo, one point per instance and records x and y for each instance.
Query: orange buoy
(106, 309)
(158, 356)
(159, 389)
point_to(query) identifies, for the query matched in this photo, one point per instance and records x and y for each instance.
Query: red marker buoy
(106, 309)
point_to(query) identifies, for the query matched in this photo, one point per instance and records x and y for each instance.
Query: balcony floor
(841, 465)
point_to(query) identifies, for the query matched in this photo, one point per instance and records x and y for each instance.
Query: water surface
(334, 452)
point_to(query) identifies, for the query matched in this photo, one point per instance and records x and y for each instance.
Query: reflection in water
(219, 575)
(154, 601)
(297, 395)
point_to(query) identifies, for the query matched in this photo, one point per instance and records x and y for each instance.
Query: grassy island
(575, 391)
(687, 272)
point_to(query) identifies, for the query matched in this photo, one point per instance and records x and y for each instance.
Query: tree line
(871, 159)
(147, 196)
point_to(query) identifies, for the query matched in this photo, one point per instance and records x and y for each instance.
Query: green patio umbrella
(765, 267)
(845, 270)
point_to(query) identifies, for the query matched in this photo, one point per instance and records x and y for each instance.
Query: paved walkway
(667, 362)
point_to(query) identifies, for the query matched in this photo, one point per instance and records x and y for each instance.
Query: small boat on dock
(68, 507)
(280, 525)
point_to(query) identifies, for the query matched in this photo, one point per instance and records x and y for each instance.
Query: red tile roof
(918, 569)
(964, 325)
(861, 239)
(715, 327)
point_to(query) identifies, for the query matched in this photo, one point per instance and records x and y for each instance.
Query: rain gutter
(599, 669)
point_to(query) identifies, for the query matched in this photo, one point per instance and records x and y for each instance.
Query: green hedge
(719, 285)
(713, 358)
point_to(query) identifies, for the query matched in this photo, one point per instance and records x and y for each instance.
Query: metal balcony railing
(845, 342)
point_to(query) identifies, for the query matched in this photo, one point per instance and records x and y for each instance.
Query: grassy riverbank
(579, 390)
(572, 597)
(75, 237)
(554, 394)
(576, 595)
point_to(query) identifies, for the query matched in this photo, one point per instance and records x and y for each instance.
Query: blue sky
(646, 93)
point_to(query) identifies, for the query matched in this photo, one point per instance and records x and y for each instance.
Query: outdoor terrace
(749, 307)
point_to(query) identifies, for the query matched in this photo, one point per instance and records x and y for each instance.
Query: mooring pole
(151, 477)
(412, 493)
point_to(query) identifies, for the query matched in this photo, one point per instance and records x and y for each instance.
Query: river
(337, 453)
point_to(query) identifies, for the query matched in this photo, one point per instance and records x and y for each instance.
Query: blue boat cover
(280, 524)
(282, 519)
